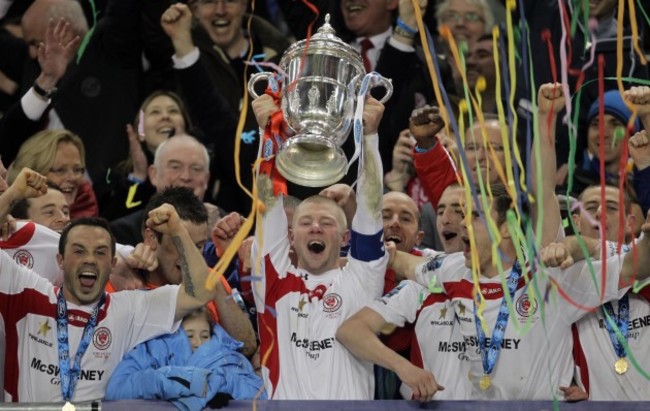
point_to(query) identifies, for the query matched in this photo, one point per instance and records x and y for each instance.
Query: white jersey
(28, 305)
(35, 246)
(535, 356)
(299, 314)
(438, 346)
(595, 362)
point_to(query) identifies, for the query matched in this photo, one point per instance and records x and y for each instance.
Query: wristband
(408, 29)
(44, 93)
(133, 179)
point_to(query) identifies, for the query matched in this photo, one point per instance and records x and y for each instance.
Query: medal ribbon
(368, 82)
(69, 375)
(274, 136)
(621, 320)
(490, 354)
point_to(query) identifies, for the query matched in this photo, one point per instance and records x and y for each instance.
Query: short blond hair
(38, 152)
(339, 215)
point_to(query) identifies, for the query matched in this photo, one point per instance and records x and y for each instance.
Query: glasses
(454, 17)
(63, 171)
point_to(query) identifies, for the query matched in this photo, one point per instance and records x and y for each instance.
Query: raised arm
(550, 101)
(636, 265)
(192, 293)
(638, 144)
(28, 184)
(231, 317)
(370, 184)
(433, 164)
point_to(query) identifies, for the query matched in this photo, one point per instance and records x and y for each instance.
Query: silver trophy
(318, 102)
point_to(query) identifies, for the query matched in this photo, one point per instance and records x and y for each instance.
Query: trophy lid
(324, 42)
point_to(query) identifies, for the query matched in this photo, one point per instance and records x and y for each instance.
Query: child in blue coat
(193, 368)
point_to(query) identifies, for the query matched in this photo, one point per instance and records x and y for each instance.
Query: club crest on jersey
(332, 302)
(102, 338)
(24, 257)
(525, 306)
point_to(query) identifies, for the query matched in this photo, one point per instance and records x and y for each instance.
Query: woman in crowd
(161, 115)
(60, 156)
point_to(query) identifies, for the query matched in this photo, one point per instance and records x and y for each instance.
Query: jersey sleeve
(401, 304)
(436, 171)
(149, 314)
(439, 269)
(272, 250)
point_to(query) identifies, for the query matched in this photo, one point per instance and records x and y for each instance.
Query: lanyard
(621, 320)
(490, 354)
(69, 375)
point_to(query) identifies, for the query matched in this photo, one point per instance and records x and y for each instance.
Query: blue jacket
(165, 368)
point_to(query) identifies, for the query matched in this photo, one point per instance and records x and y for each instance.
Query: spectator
(198, 366)
(99, 92)
(61, 156)
(179, 162)
(220, 42)
(162, 115)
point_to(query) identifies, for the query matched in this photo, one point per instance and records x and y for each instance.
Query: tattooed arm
(192, 293)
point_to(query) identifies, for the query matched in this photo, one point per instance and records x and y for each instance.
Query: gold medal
(484, 382)
(621, 365)
(68, 406)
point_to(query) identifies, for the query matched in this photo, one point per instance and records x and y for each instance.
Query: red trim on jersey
(645, 293)
(276, 288)
(20, 237)
(15, 307)
(491, 291)
(579, 358)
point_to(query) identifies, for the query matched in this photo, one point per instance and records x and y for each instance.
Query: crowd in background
(125, 106)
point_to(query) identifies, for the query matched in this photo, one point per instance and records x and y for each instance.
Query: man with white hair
(181, 161)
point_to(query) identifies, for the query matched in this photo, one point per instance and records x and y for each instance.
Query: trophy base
(311, 161)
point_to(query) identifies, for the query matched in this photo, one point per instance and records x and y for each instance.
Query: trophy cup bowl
(318, 101)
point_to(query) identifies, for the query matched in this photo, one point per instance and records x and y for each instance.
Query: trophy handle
(388, 85)
(255, 78)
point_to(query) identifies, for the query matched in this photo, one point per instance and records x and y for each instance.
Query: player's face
(593, 208)
(401, 221)
(87, 262)
(50, 210)
(450, 219)
(67, 170)
(317, 236)
(612, 146)
(367, 17)
(483, 243)
(169, 260)
(479, 155)
(197, 329)
(162, 118)
(222, 20)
